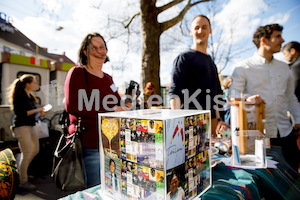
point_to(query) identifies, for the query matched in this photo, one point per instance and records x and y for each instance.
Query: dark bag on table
(67, 169)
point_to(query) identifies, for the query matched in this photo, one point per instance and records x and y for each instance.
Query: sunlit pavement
(46, 189)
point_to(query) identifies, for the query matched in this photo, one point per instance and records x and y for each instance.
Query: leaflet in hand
(47, 107)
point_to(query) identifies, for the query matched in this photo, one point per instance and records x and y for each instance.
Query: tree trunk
(150, 52)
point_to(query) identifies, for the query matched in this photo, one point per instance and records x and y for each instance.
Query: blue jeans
(91, 161)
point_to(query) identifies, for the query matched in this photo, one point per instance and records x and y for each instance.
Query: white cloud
(241, 15)
(52, 5)
(279, 18)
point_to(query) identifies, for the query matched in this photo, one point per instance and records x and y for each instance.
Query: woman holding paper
(23, 102)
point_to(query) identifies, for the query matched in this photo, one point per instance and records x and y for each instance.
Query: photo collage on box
(140, 156)
(197, 168)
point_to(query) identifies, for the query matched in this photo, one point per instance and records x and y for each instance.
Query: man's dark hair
(204, 17)
(265, 31)
(292, 45)
(110, 161)
(83, 59)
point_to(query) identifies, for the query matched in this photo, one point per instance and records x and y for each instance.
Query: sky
(39, 20)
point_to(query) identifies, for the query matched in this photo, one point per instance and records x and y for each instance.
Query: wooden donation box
(155, 154)
(247, 132)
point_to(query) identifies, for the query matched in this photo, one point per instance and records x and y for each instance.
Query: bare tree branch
(168, 24)
(98, 6)
(197, 2)
(131, 19)
(168, 5)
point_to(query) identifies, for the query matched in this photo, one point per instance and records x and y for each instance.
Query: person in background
(195, 74)
(226, 85)
(263, 79)
(291, 52)
(148, 92)
(84, 82)
(23, 102)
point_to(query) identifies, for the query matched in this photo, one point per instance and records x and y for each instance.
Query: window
(6, 49)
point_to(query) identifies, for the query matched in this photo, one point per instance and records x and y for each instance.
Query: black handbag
(67, 171)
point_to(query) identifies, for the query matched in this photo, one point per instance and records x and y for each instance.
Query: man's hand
(255, 99)
(175, 103)
(219, 125)
(297, 129)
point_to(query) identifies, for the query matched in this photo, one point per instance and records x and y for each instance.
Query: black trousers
(289, 148)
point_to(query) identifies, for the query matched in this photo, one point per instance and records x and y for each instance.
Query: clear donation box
(248, 140)
(155, 154)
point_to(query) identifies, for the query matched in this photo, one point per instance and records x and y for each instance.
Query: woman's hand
(37, 110)
(43, 113)
(120, 108)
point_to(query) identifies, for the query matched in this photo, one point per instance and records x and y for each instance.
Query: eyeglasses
(93, 48)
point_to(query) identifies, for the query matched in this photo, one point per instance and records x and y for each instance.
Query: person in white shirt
(263, 79)
(114, 182)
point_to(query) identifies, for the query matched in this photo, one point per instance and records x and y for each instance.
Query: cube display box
(155, 154)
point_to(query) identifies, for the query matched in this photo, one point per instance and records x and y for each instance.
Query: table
(273, 184)
(234, 183)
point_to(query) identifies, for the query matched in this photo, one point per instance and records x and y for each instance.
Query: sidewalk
(46, 189)
(40, 168)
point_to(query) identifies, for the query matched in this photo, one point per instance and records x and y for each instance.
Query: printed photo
(110, 134)
(144, 137)
(146, 172)
(175, 183)
(191, 121)
(138, 125)
(133, 136)
(158, 127)
(124, 187)
(151, 126)
(160, 186)
(160, 176)
(112, 174)
(123, 123)
(152, 175)
(144, 125)
(151, 138)
(132, 125)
